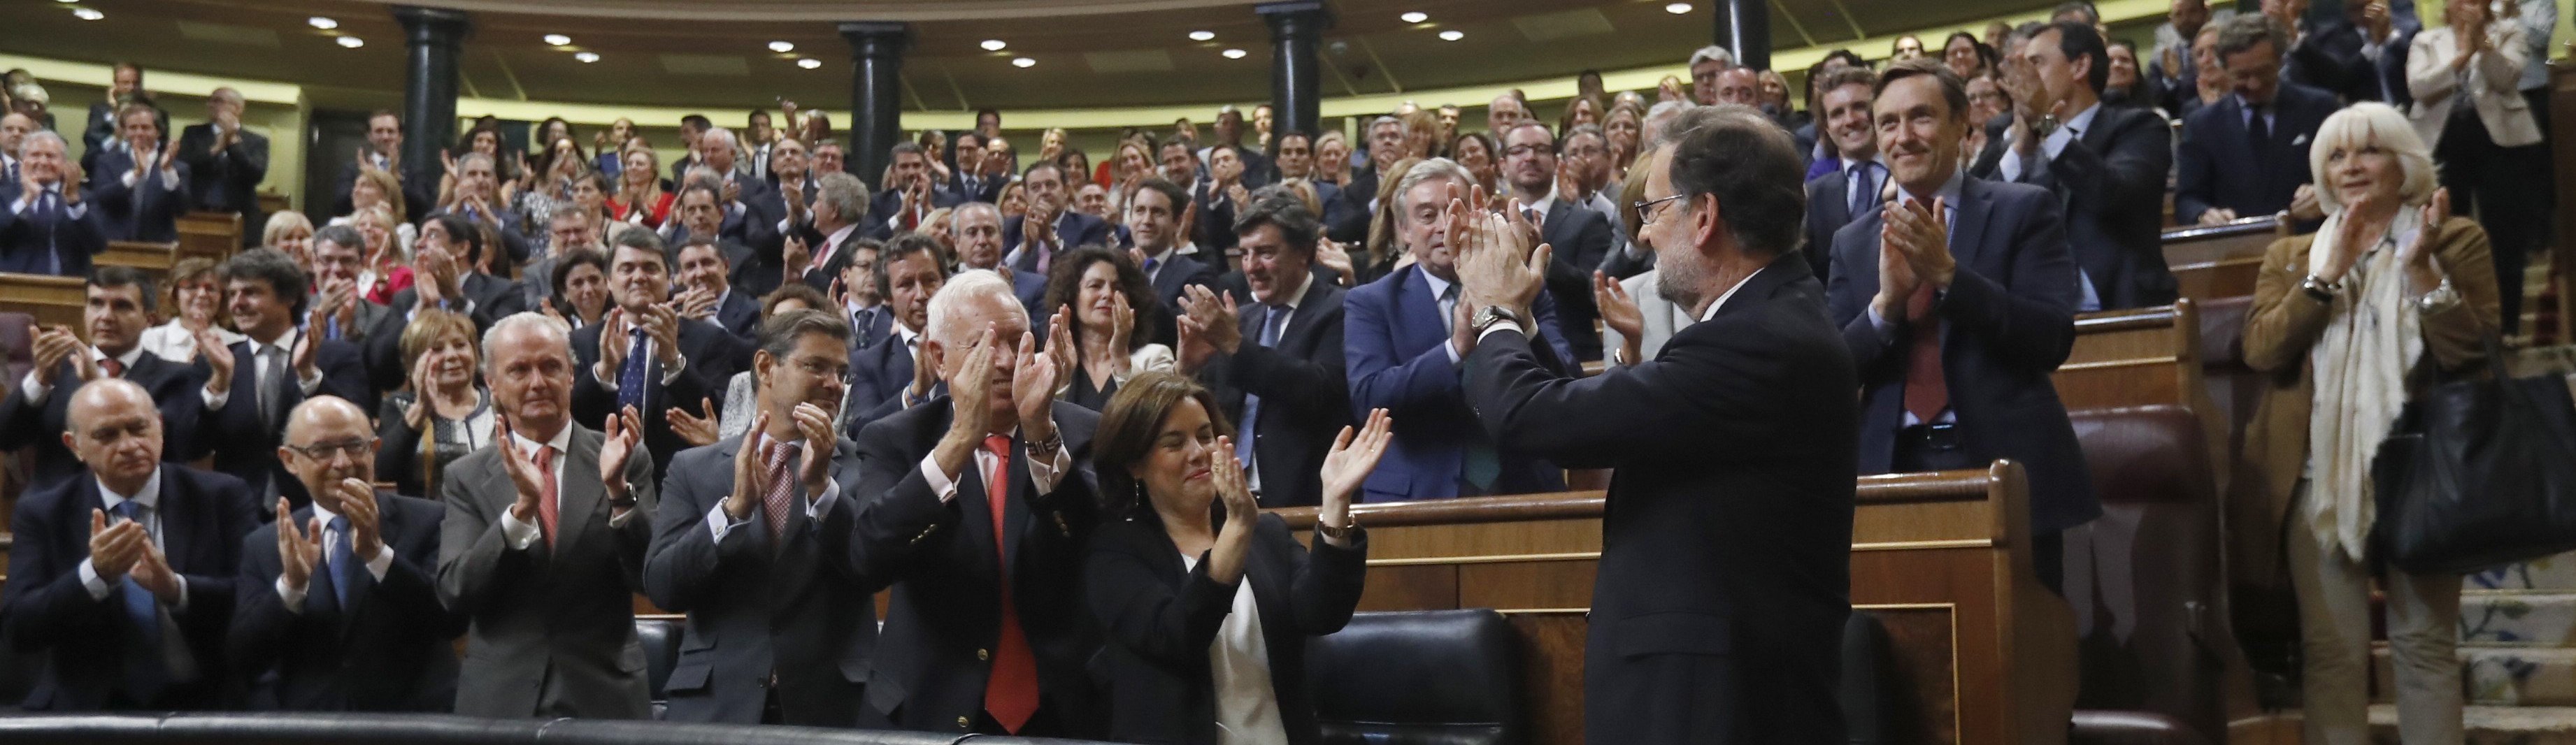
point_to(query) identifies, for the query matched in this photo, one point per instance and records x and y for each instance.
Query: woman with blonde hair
(2346, 323)
(640, 198)
(377, 187)
(1332, 158)
(444, 412)
(1385, 248)
(290, 232)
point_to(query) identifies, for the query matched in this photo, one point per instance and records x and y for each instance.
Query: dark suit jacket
(227, 181)
(886, 206)
(772, 200)
(1395, 356)
(30, 242)
(1173, 273)
(1161, 618)
(34, 429)
(83, 641)
(792, 606)
(564, 617)
(739, 315)
(243, 445)
(986, 189)
(880, 327)
(941, 559)
(101, 125)
(148, 211)
(2107, 178)
(505, 224)
(2329, 57)
(1305, 401)
(2008, 321)
(2221, 168)
(712, 355)
(417, 197)
(878, 374)
(493, 298)
(1727, 529)
(1580, 238)
(1828, 210)
(767, 259)
(391, 650)
(1347, 215)
(1072, 229)
(1215, 225)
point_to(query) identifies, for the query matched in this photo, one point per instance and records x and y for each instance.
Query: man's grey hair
(568, 210)
(847, 195)
(43, 135)
(966, 287)
(1382, 119)
(719, 132)
(1713, 53)
(558, 333)
(1427, 170)
(956, 217)
(470, 158)
(31, 92)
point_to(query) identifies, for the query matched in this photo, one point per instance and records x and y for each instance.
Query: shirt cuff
(1043, 475)
(1495, 329)
(90, 580)
(2056, 142)
(35, 391)
(127, 179)
(618, 519)
(718, 525)
(672, 372)
(1451, 347)
(821, 503)
(309, 386)
(520, 535)
(215, 401)
(181, 580)
(77, 211)
(384, 562)
(169, 177)
(940, 483)
(1886, 329)
(293, 598)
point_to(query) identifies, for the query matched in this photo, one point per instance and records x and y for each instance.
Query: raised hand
(113, 551)
(625, 429)
(795, 256)
(1193, 352)
(417, 414)
(219, 360)
(152, 572)
(1928, 240)
(969, 420)
(358, 504)
(53, 346)
(1215, 314)
(662, 324)
(924, 375)
(816, 469)
(1033, 378)
(1331, 254)
(612, 344)
(2417, 255)
(1618, 309)
(1349, 463)
(523, 471)
(747, 467)
(693, 429)
(73, 176)
(169, 160)
(297, 551)
(1060, 344)
(307, 366)
(2356, 236)
(1122, 323)
(1895, 274)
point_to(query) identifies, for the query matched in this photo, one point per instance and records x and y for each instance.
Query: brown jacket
(2280, 330)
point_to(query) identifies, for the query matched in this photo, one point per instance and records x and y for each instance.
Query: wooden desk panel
(52, 300)
(2220, 261)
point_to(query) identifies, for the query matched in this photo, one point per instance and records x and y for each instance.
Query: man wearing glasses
(1580, 233)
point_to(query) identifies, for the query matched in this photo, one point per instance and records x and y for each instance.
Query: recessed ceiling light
(1415, 17)
(994, 45)
(1202, 36)
(586, 56)
(1452, 35)
(1233, 54)
(67, 2)
(87, 14)
(1023, 62)
(558, 39)
(1678, 8)
(782, 47)
(352, 42)
(809, 63)
(325, 24)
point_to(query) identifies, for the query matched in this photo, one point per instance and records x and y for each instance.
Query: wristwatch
(1494, 314)
(2319, 289)
(1339, 533)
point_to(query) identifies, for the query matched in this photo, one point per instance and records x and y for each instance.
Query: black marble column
(1295, 27)
(876, 87)
(1744, 27)
(431, 38)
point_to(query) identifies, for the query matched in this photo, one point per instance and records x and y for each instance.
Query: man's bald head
(327, 442)
(108, 396)
(116, 431)
(321, 417)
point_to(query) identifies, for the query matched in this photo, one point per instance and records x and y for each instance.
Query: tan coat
(2279, 331)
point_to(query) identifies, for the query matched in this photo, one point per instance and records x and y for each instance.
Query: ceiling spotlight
(1023, 62)
(319, 22)
(1233, 53)
(1452, 35)
(558, 39)
(1678, 8)
(782, 47)
(1415, 16)
(809, 63)
(351, 42)
(586, 57)
(994, 45)
(1202, 36)
(87, 14)
(67, 2)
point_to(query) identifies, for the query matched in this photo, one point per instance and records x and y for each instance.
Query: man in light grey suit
(754, 544)
(543, 545)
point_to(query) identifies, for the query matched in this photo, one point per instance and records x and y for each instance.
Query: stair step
(2518, 619)
(2498, 676)
(2546, 573)
(2493, 725)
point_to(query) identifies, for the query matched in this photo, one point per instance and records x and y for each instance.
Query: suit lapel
(178, 516)
(1415, 304)
(1834, 200)
(577, 497)
(1556, 222)
(1968, 235)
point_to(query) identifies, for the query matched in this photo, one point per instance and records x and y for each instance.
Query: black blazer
(2008, 322)
(226, 181)
(712, 355)
(243, 446)
(1161, 618)
(494, 298)
(940, 558)
(34, 430)
(1073, 230)
(1173, 274)
(2328, 56)
(1305, 400)
(793, 607)
(1580, 237)
(2220, 168)
(883, 209)
(505, 224)
(83, 641)
(1727, 534)
(2107, 177)
(878, 375)
(148, 211)
(391, 650)
(986, 189)
(1828, 210)
(739, 315)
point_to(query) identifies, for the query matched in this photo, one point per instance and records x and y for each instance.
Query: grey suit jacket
(1658, 318)
(559, 622)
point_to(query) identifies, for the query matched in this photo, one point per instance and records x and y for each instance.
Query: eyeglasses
(354, 449)
(1646, 209)
(1523, 151)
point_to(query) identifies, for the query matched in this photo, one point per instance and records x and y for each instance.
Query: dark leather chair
(2145, 581)
(660, 638)
(1868, 687)
(191, 728)
(1447, 677)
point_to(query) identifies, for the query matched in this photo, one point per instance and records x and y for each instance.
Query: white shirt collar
(1545, 203)
(905, 332)
(125, 360)
(2082, 121)
(150, 495)
(285, 342)
(1949, 194)
(561, 442)
(1438, 286)
(1299, 295)
(1730, 292)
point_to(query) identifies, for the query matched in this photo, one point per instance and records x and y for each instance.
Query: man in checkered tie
(753, 542)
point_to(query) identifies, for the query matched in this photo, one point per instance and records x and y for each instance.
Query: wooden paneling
(1551, 662)
(153, 259)
(2221, 260)
(52, 300)
(214, 235)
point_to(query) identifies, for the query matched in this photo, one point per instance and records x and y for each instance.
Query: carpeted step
(2547, 573)
(2524, 618)
(2498, 676)
(2493, 725)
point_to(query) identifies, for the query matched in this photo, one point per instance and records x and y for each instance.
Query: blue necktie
(343, 556)
(1150, 263)
(53, 215)
(630, 377)
(332, 329)
(861, 320)
(1864, 186)
(144, 666)
(1244, 436)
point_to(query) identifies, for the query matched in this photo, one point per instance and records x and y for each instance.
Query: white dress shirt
(174, 645)
(37, 391)
(521, 535)
(376, 565)
(720, 525)
(284, 347)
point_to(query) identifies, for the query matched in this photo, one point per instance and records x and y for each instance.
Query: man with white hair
(817, 249)
(46, 224)
(976, 232)
(225, 161)
(969, 645)
(716, 152)
(1705, 67)
(478, 199)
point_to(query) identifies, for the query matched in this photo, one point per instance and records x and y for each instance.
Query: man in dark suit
(122, 579)
(645, 356)
(384, 152)
(125, 84)
(741, 191)
(447, 274)
(227, 163)
(338, 254)
(820, 246)
(1156, 214)
(882, 375)
(753, 542)
(2324, 53)
(251, 385)
(118, 308)
(1056, 229)
(1217, 198)
(793, 190)
(977, 233)
(47, 225)
(478, 201)
(1835, 199)
(543, 545)
(988, 632)
(1713, 620)
(1956, 342)
(707, 294)
(336, 605)
(968, 181)
(699, 213)
(2246, 155)
(1580, 234)
(1404, 343)
(1275, 365)
(2106, 163)
(907, 201)
(141, 185)
(692, 127)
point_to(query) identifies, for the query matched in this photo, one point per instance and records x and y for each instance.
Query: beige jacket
(2493, 85)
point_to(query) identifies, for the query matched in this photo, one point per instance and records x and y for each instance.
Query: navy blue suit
(2008, 321)
(2118, 163)
(1395, 357)
(878, 374)
(391, 649)
(84, 641)
(34, 429)
(243, 442)
(148, 211)
(887, 205)
(1072, 230)
(738, 314)
(711, 357)
(1304, 400)
(31, 242)
(2221, 167)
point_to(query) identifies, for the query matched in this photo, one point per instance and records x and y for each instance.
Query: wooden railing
(2221, 260)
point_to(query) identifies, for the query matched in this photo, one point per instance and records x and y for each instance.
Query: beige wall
(282, 124)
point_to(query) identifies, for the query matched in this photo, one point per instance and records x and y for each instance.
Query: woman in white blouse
(1100, 297)
(195, 303)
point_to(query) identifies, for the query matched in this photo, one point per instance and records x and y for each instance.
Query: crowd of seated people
(1042, 398)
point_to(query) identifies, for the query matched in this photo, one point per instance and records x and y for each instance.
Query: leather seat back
(1447, 677)
(660, 638)
(2145, 580)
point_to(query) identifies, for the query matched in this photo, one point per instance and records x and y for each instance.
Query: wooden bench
(214, 235)
(2221, 260)
(1982, 653)
(52, 300)
(152, 259)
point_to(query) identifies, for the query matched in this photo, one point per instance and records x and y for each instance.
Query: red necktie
(782, 491)
(1926, 391)
(547, 510)
(1011, 691)
(114, 368)
(912, 219)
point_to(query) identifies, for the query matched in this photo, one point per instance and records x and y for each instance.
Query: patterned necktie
(51, 207)
(547, 511)
(861, 321)
(630, 375)
(1245, 434)
(113, 368)
(273, 365)
(781, 494)
(1011, 688)
(1449, 308)
(343, 554)
(1864, 186)
(146, 666)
